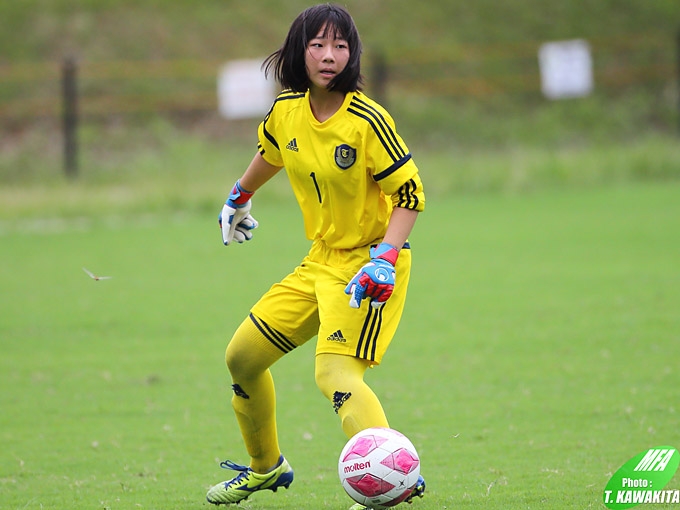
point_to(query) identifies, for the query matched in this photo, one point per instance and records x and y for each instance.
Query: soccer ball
(379, 467)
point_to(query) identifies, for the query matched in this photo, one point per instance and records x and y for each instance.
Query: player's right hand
(235, 220)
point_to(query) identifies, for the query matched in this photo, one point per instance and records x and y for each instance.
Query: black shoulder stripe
(267, 134)
(380, 123)
(283, 96)
(389, 171)
(289, 94)
(377, 132)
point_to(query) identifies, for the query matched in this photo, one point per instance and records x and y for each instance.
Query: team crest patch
(345, 156)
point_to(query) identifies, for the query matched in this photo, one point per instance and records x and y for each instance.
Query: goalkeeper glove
(235, 220)
(376, 279)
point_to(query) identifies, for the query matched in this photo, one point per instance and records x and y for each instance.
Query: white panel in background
(566, 69)
(243, 91)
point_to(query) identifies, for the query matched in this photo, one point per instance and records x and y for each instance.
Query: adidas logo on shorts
(337, 337)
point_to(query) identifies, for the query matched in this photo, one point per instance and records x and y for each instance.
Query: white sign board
(566, 69)
(243, 91)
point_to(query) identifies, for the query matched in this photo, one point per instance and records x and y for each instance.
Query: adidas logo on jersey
(292, 145)
(337, 337)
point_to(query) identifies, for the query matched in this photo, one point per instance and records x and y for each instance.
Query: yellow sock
(341, 379)
(249, 356)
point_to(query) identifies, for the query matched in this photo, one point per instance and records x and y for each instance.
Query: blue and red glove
(235, 219)
(375, 280)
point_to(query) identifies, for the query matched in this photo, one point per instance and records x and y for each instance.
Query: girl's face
(325, 58)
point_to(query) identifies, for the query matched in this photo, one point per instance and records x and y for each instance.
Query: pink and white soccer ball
(379, 467)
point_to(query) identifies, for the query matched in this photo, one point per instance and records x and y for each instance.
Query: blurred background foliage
(154, 29)
(462, 81)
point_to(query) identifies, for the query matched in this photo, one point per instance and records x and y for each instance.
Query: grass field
(538, 352)
(540, 344)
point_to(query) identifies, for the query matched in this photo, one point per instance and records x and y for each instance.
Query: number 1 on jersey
(316, 185)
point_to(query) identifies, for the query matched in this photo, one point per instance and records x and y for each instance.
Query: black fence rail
(480, 71)
(71, 90)
(33, 89)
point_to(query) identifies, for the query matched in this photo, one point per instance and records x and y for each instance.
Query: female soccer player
(360, 193)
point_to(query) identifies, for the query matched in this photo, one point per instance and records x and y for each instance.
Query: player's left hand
(375, 280)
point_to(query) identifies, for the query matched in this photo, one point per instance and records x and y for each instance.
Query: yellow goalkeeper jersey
(347, 173)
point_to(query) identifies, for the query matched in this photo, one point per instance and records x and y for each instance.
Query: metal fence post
(677, 85)
(70, 115)
(379, 78)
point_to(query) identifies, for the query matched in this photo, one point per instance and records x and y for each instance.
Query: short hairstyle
(288, 62)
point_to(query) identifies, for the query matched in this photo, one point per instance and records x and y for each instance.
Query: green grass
(155, 166)
(541, 337)
(538, 352)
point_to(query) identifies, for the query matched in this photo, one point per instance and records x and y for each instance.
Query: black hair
(288, 62)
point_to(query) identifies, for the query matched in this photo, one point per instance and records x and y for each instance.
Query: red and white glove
(235, 220)
(375, 280)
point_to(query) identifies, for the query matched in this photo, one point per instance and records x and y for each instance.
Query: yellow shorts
(311, 301)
